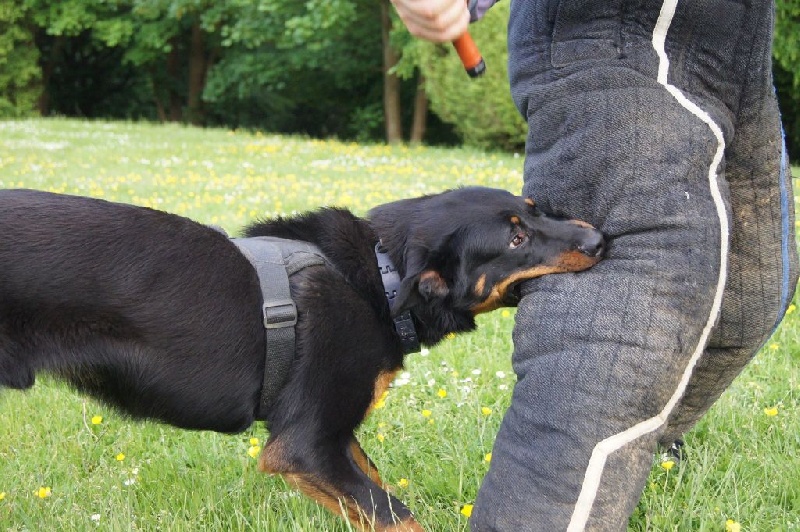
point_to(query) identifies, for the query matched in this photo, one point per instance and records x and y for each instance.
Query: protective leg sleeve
(634, 111)
(762, 264)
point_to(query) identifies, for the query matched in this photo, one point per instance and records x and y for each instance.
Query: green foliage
(310, 66)
(366, 122)
(94, 81)
(786, 55)
(67, 17)
(789, 102)
(785, 47)
(481, 109)
(298, 66)
(20, 76)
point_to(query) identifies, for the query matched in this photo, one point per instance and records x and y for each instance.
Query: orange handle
(470, 55)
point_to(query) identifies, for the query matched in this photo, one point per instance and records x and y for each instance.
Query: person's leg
(629, 133)
(763, 258)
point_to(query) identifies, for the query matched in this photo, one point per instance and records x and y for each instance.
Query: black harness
(277, 259)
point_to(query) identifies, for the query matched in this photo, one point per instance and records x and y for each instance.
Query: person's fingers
(434, 20)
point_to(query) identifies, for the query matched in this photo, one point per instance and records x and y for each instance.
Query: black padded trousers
(657, 122)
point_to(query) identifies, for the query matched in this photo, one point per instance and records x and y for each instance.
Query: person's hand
(434, 20)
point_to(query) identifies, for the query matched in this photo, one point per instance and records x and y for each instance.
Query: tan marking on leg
(365, 464)
(480, 285)
(272, 459)
(409, 525)
(329, 497)
(530, 202)
(382, 383)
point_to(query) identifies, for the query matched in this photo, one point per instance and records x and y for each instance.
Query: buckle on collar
(404, 323)
(404, 326)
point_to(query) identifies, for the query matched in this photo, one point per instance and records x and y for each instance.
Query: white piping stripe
(601, 452)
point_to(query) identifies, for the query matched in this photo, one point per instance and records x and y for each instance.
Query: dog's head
(467, 250)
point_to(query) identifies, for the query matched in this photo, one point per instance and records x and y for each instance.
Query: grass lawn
(69, 463)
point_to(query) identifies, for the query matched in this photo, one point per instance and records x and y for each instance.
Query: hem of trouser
(594, 471)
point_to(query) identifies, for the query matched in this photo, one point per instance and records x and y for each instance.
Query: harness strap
(279, 314)
(275, 260)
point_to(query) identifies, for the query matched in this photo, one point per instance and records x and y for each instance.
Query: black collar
(403, 324)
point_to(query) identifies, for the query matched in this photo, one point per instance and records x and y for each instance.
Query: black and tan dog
(160, 316)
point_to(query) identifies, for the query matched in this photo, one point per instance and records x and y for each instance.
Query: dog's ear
(422, 282)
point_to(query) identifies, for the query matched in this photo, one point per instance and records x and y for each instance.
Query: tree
(391, 83)
(315, 66)
(53, 24)
(176, 42)
(481, 109)
(312, 67)
(20, 76)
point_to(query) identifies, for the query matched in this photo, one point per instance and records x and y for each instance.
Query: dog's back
(96, 291)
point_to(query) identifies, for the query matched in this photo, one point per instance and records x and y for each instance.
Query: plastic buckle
(280, 313)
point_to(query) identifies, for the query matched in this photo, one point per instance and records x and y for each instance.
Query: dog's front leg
(364, 463)
(332, 475)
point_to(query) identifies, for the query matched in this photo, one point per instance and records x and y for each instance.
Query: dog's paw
(676, 452)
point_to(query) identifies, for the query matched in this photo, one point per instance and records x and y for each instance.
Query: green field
(432, 438)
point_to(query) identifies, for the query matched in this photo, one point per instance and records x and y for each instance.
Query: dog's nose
(593, 244)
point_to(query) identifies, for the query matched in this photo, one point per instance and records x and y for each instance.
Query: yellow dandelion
(96, 420)
(450, 336)
(442, 393)
(120, 457)
(771, 412)
(43, 492)
(487, 457)
(505, 313)
(381, 437)
(427, 413)
(668, 464)
(381, 402)
(254, 441)
(774, 346)
(791, 309)
(732, 526)
(466, 510)
(2, 495)
(486, 411)
(403, 483)
(253, 451)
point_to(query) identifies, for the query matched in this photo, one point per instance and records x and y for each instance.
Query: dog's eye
(518, 240)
